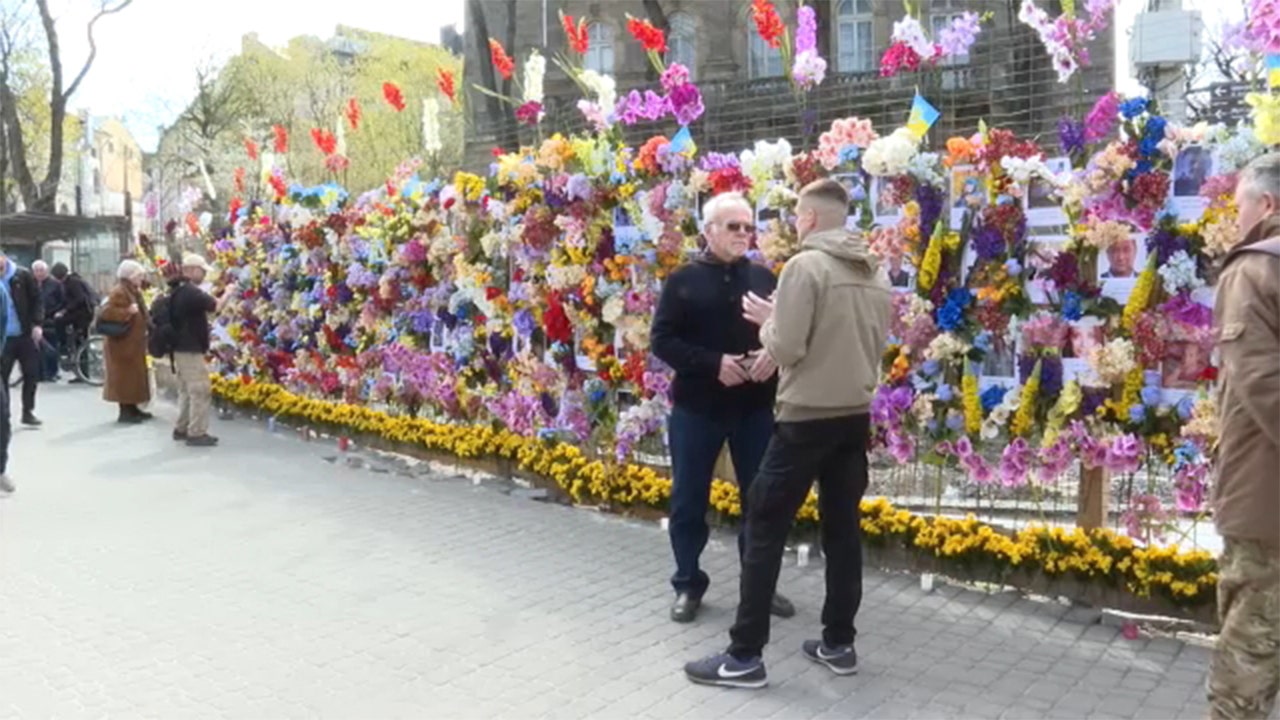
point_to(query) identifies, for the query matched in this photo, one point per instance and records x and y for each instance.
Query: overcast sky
(148, 53)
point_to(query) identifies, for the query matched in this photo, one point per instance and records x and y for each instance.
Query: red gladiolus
(502, 62)
(281, 138)
(238, 177)
(353, 113)
(650, 37)
(729, 180)
(234, 209)
(251, 148)
(768, 23)
(277, 184)
(324, 140)
(579, 39)
(444, 81)
(492, 293)
(497, 151)
(391, 92)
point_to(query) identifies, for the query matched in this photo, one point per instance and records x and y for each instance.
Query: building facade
(1006, 80)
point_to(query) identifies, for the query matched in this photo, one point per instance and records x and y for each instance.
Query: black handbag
(111, 329)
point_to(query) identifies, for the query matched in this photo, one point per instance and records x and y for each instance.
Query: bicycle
(83, 358)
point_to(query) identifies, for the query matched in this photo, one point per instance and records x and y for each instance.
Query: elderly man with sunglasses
(724, 386)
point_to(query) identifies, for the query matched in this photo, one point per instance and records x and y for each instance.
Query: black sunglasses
(741, 227)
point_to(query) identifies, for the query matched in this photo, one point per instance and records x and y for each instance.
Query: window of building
(682, 42)
(854, 50)
(599, 55)
(763, 61)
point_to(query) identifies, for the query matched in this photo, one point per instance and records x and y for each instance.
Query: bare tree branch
(93, 46)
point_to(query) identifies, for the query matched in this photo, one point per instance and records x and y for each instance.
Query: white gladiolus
(535, 69)
(431, 141)
(603, 86)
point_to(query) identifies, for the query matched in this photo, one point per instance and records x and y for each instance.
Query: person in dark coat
(24, 319)
(126, 355)
(78, 306)
(51, 294)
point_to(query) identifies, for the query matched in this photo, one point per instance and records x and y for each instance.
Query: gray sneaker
(840, 660)
(6, 485)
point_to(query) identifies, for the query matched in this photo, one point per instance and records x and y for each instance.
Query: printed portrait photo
(968, 191)
(1190, 169)
(1122, 261)
(1042, 205)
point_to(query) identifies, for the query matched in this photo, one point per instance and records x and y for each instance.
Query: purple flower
(674, 76)
(1071, 136)
(686, 102)
(1015, 462)
(929, 199)
(957, 38)
(1050, 376)
(988, 242)
(713, 161)
(634, 107)
(1123, 454)
(1102, 119)
(578, 187)
(1182, 309)
(806, 29)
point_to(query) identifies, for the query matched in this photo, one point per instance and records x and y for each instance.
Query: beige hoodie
(830, 321)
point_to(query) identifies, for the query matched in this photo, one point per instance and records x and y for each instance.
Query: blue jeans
(695, 442)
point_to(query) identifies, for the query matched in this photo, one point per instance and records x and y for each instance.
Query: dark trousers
(6, 428)
(50, 352)
(696, 440)
(835, 452)
(22, 350)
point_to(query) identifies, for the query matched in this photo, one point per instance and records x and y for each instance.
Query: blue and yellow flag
(1273, 70)
(923, 116)
(682, 142)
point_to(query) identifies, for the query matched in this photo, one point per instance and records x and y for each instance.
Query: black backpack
(162, 340)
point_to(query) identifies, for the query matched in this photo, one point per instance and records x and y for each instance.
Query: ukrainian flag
(923, 116)
(682, 143)
(1273, 70)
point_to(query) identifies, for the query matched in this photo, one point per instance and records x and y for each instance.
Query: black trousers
(834, 451)
(22, 349)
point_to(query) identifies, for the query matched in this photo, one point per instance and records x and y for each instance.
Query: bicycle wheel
(90, 365)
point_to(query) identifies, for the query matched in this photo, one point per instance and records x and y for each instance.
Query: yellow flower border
(1185, 578)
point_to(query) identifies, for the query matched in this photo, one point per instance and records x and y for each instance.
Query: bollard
(665, 524)
(802, 555)
(271, 424)
(926, 582)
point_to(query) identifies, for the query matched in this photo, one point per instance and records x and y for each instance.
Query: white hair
(39, 265)
(1262, 175)
(715, 207)
(130, 269)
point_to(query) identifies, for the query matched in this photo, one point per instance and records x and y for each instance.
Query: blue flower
(945, 393)
(955, 421)
(849, 153)
(1133, 107)
(983, 341)
(1150, 396)
(859, 193)
(1137, 413)
(597, 395)
(951, 314)
(1013, 267)
(1072, 306)
(1151, 378)
(1185, 406)
(931, 426)
(992, 397)
(930, 368)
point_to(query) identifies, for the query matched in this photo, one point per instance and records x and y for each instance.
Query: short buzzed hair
(1262, 175)
(828, 191)
(39, 265)
(717, 204)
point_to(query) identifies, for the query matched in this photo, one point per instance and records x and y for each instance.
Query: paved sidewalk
(139, 578)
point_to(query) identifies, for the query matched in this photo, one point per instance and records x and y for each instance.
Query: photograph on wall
(1000, 361)
(856, 185)
(1119, 266)
(1191, 167)
(886, 211)
(902, 275)
(1042, 205)
(968, 192)
(1183, 365)
(1041, 254)
(1086, 334)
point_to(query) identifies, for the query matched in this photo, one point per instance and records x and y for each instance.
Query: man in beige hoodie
(826, 328)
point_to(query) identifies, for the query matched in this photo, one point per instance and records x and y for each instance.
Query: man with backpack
(79, 303)
(180, 332)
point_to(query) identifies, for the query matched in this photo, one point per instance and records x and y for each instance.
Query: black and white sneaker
(725, 670)
(841, 660)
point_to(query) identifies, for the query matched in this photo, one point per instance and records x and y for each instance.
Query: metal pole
(544, 24)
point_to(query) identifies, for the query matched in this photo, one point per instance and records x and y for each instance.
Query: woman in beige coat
(126, 355)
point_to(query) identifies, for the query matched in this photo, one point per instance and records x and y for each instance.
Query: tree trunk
(47, 193)
(27, 188)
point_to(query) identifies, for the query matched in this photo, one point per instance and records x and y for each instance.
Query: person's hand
(133, 308)
(762, 366)
(58, 315)
(37, 334)
(731, 371)
(757, 309)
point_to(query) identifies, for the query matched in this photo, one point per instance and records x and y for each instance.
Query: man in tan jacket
(826, 330)
(1245, 672)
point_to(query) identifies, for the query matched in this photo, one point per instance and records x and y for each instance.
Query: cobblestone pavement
(258, 580)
